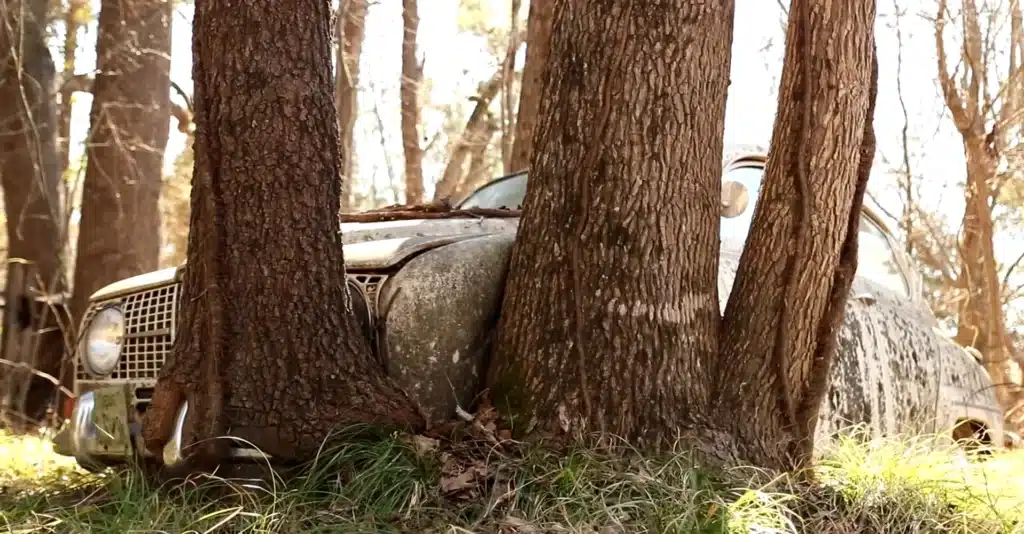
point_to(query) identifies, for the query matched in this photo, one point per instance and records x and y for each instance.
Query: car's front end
(129, 328)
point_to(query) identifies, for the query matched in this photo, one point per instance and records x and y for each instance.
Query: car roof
(734, 156)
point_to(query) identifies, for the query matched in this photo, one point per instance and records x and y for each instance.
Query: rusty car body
(427, 290)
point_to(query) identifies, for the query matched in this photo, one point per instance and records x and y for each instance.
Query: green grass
(398, 485)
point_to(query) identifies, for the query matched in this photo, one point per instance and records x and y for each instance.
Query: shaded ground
(417, 485)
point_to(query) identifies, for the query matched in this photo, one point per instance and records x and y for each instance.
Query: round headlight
(102, 343)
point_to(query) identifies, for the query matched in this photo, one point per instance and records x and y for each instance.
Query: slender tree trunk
(269, 345)
(538, 50)
(618, 337)
(508, 67)
(73, 16)
(981, 322)
(412, 79)
(479, 171)
(780, 323)
(475, 133)
(30, 170)
(119, 231)
(351, 34)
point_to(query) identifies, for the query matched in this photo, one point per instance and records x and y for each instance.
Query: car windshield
(503, 193)
(741, 187)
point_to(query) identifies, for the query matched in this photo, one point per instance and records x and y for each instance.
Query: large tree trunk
(622, 232)
(30, 170)
(538, 49)
(625, 336)
(780, 323)
(351, 34)
(268, 345)
(119, 231)
(412, 79)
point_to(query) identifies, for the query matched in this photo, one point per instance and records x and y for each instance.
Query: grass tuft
(393, 483)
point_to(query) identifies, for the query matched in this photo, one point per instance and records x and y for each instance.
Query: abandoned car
(895, 373)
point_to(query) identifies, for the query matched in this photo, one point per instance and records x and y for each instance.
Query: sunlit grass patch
(28, 462)
(400, 484)
(929, 479)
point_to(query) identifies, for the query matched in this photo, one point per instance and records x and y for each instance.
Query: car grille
(151, 318)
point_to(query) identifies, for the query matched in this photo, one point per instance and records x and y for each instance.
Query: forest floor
(401, 485)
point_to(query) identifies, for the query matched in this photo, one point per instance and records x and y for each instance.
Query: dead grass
(399, 485)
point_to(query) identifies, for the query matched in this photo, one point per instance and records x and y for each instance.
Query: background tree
(986, 108)
(412, 78)
(351, 31)
(247, 187)
(30, 169)
(538, 49)
(631, 341)
(119, 232)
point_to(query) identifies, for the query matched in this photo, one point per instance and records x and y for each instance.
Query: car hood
(375, 245)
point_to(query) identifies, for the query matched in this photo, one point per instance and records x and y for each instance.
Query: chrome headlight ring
(102, 341)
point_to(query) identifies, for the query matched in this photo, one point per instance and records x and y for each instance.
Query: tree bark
(30, 170)
(780, 323)
(412, 79)
(351, 34)
(618, 337)
(268, 344)
(538, 50)
(119, 230)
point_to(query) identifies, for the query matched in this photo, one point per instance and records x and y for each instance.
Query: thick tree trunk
(538, 50)
(30, 170)
(622, 232)
(119, 231)
(780, 323)
(981, 322)
(268, 344)
(412, 79)
(351, 34)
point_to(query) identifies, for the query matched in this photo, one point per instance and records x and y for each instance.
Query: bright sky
(456, 63)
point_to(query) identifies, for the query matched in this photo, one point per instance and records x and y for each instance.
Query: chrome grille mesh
(151, 318)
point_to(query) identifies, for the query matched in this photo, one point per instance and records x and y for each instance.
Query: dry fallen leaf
(519, 526)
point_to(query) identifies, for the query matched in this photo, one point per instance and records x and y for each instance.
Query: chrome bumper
(100, 432)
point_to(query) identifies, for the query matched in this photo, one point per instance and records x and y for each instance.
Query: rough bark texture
(412, 79)
(820, 156)
(538, 50)
(351, 34)
(119, 231)
(268, 345)
(611, 308)
(30, 168)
